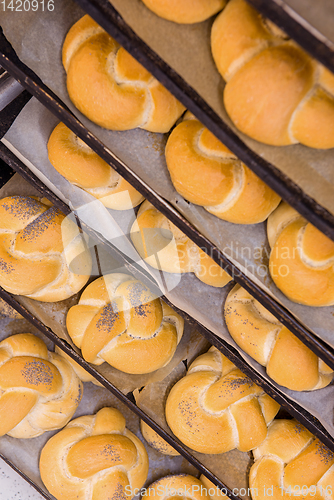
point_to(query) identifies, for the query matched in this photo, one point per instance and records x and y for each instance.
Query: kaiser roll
(290, 461)
(42, 252)
(182, 486)
(216, 408)
(301, 259)
(287, 360)
(275, 92)
(163, 246)
(120, 321)
(206, 173)
(110, 87)
(156, 441)
(39, 391)
(94, 458)
(81, 166)
(185, 11)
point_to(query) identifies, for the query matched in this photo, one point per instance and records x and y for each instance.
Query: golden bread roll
(39, 391)
(81, 166)
(216, 408)
(176, 486)
(156, 441)
(83, 374)
(301, 259)
(7, 311)
(206, 173)
(110, 87)
(42, 253)
(291, 462)
(287, 360)
(94, 458)
(163, 246)
(119, 320)
(185, 11)
(275, 92)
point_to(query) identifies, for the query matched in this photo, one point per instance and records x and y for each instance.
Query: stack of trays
(297, 173)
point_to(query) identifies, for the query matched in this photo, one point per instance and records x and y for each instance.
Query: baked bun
(156, 441)
(275, 92)
(206, 173)
(216, 408)
(163, 246)
(94, 458)
(185, 11)
(110, 87)
(291, 461)
(81, 166)
(176, 486)
(119, 320)
(287, 360)
(39, 391)
(42, 253)
(301, 259)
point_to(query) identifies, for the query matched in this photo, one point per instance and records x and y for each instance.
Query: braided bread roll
(120, 321)
(39, 391)
(291, 461)
(182, 486)
(287, 360)
(275, 92)
(94, 458)
(163, 246)
(185, 11)
(42, 253)
(216, 408)
(156, 441)
(110, 87)
(81, 166)
(206, 173)
(301, 258)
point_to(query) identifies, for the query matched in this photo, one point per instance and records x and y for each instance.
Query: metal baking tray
(36, 87)
(294, 409)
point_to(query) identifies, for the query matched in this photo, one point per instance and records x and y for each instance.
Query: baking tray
(104, 13)
(309, 23)
(32, 82)
(294, 409)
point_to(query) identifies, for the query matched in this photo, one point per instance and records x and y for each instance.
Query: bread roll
(81, 166)
(185, 11)
(156, 441)
(94, 458)
(216, 408)
(206, 173)
(39, 391)
(42, 253)
(120, 321)
(163, 246)
(275, 92)
(287, 360)
(110, 87)
(182, 486)
(291, 463)
(301, 258)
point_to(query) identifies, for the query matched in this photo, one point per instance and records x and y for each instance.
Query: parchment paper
(204, 303)
(53, 315)
(231, 467)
